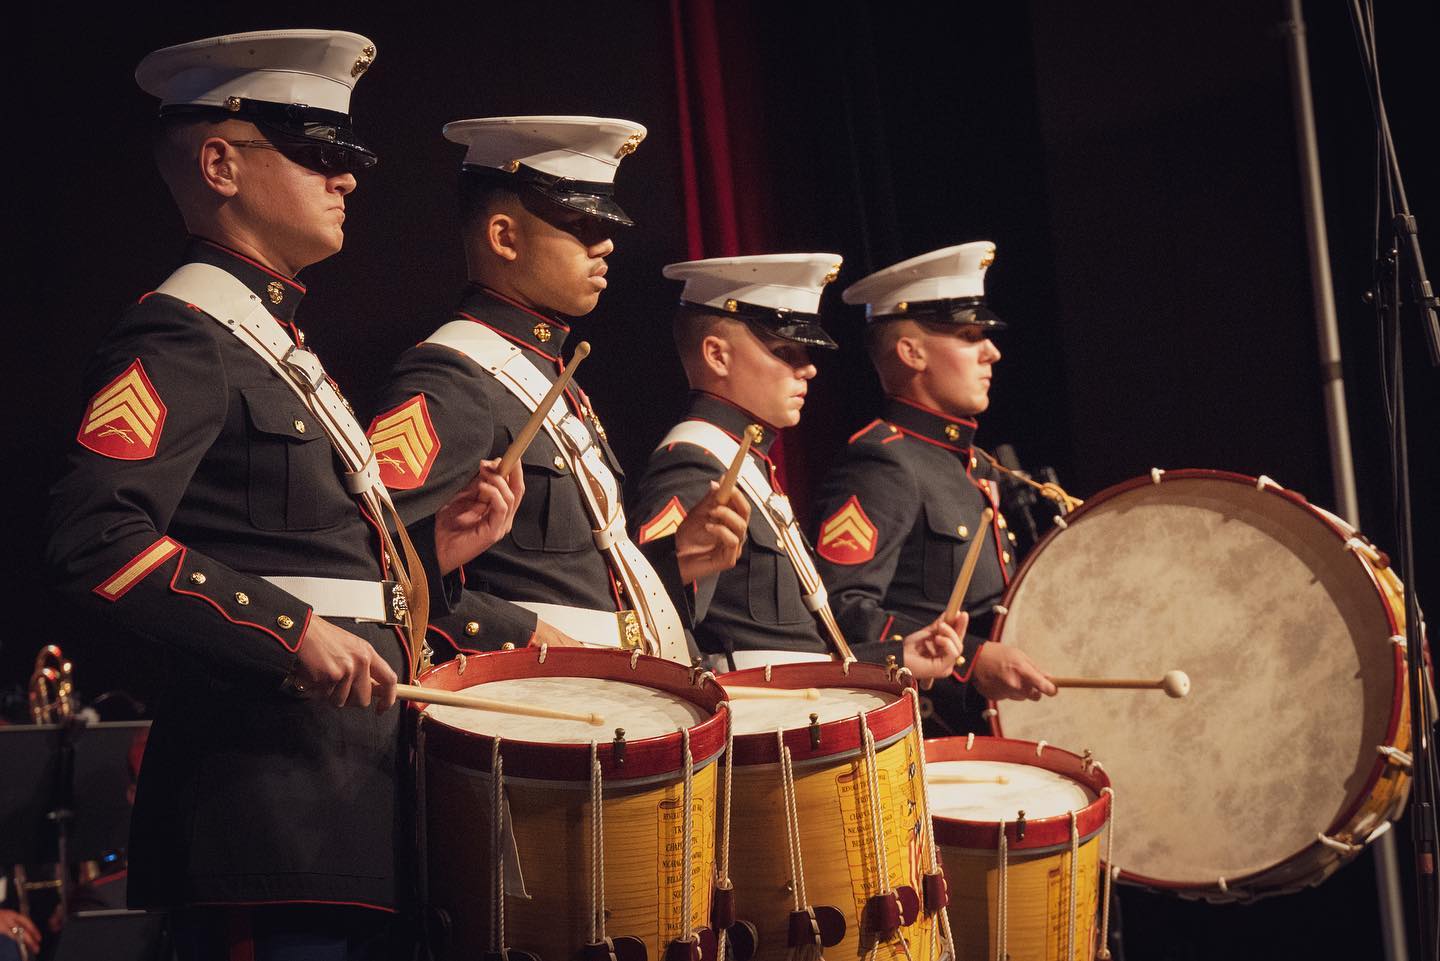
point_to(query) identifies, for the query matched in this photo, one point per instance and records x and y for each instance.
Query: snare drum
(1287, 756)
(1019, 825)
(664, 730)
(804, 855)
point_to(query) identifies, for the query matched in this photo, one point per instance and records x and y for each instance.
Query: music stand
(113, 935)
(66, 794)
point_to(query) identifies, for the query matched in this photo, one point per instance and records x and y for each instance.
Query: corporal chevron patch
(665, 522)
(848, 536)
(405, 444)
(124, 419)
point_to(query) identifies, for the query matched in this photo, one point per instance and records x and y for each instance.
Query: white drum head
(642, 711)
(993, 791)
(1285, 639)
(764, 715)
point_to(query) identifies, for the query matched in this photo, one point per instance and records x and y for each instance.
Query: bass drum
(1287, 757)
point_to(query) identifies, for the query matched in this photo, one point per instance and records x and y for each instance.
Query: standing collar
(531, 329)
(952, 433)
(281, 295)
(731, 419)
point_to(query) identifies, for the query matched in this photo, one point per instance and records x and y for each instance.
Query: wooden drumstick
(939, 777)
(967, 568)
(732, 473)
(1174, 683)
(532, 426)
(426, 695)
(799, 693)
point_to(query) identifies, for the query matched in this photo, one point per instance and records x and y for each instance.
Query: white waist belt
(380, 602)
(593, 628)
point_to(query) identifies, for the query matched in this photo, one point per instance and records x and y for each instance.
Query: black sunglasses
(326, 158)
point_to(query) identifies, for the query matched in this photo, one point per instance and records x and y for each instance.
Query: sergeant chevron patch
(848, 536)
(664, 523)
(124, 419)
(405, 444)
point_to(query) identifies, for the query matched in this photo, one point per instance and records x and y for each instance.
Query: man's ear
(219, 162)
(910, 351)
(502, 235)
(716, 354)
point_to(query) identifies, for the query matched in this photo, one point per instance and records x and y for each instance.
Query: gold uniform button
(242, 598)
(963, 531)
(300, 426)
(952, 431)
(285, 622)
(1000, 520)
(197, 578)
(973, 462)
(896, 637)
(472, 628)
(541, 332)
(1006, 557)
(1011, 535)
(559, 462)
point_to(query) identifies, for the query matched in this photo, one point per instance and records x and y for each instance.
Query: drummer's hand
(478, 515)
(342, 668)
(710, 537)
(1003, 673)
(17, 926)
(552, 635)
(931, 652)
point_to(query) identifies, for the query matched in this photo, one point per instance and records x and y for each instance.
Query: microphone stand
(1400, 273)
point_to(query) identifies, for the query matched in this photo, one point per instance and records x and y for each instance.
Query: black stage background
(1134, 162)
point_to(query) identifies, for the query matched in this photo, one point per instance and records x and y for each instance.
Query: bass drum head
(1286, 640)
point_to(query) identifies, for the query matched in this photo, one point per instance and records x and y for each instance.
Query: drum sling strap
(235, 308)
(775, 508)
(658, 622)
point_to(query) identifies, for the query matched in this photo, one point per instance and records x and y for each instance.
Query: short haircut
(480, 192)
(692, 325)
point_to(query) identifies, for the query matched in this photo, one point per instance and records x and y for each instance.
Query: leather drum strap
(235, 308)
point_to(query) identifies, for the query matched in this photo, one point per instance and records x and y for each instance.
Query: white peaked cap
(951, 273)
(781, 292)
(587, 149)
(316, 68)
(792, 282)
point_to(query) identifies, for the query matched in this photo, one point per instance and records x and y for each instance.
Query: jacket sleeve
(675, 481)
(434, 428)
(159, 400)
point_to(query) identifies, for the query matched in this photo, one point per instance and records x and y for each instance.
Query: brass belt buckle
(631, 637)
(396, 604)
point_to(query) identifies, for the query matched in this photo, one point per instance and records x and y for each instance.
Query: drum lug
(814, 732)
(892, 668)
(722, 905)
(613, 949)
(617, 747)
(819, 924)
(742, 938)
(1087, 761)
(683, 950)
(937, 892)
(1020, 827)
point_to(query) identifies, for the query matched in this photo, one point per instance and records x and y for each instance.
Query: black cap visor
(293, 124)
(791, 325)
(587, 196)
(955, 311)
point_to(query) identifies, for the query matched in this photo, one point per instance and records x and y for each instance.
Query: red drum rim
(1377, 769)
(836, 737)
(643, 757)
(1039, 832)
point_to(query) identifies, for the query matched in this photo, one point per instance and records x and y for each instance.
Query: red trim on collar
(758, 453)
(930, 410)
(863, 431)
(253, 263)
(930, 440)
(749, 416)
(519, 306)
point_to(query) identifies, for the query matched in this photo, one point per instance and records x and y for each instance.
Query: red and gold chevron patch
(848, 536)
(664, 523)
(405, 444)
(125, 418)
(137, 569)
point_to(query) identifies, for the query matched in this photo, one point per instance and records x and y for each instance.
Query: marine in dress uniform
(900, 509)
(197, 476)
(744, 330)
(539, 212)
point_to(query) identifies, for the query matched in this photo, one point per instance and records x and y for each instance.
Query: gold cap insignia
(363, 62)
(511, 167)
(903, 306)
(276, 290)
(232, 104)
(987, 258)
(952, 431)
(628, 147)
(541, 332)
(830, 277)
(732, 305)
